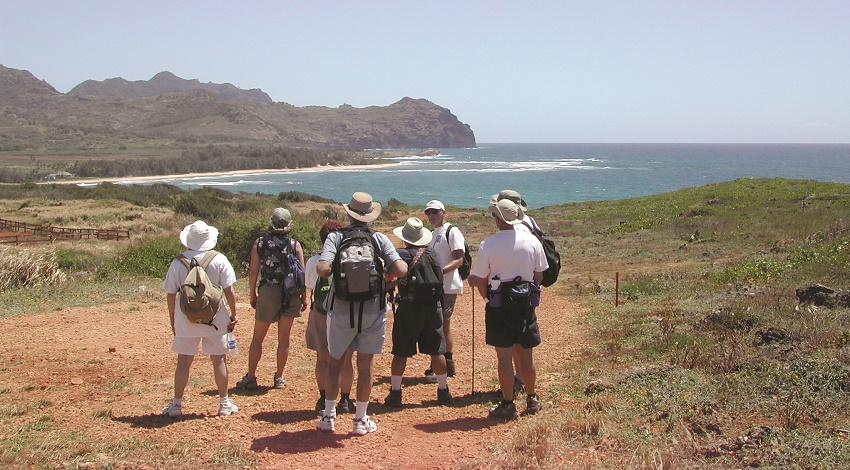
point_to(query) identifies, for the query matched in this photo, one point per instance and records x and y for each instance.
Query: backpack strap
(207, 259)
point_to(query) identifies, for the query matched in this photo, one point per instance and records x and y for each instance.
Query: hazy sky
(522, 71)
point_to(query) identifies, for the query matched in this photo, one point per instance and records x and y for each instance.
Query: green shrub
(206, 204)
(150, 257)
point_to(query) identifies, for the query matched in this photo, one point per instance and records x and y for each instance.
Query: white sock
(361, 409)
(177, 401)
(223, 399)
(330, 407)
(442, 380)
(395, 382)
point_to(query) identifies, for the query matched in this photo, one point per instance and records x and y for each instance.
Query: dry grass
(28, 267)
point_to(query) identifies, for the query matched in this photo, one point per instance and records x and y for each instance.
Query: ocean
(550, 174)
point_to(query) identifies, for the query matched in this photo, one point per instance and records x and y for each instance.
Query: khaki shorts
(269, 305)
(317, 332)
(448, 305)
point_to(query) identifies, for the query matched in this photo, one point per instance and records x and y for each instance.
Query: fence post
(617, 289)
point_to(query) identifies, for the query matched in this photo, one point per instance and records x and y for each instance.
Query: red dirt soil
(116, 358)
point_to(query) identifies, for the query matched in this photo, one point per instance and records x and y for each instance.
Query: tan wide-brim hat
(362, 207)
(506, 210)
(413, 232)
(511, 195)
(199, 236)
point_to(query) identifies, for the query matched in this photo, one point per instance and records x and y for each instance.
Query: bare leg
(506, 372)
(398, 366)
(364, 376)
(346, 376)
(284, 328)
(220, 371)
(529, 371)
(438, 364)
(256, 350)
(181, 374)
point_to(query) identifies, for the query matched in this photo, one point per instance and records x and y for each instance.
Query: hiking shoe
(505, 411)
(320, 405)
(227, 408)
(519, 387)
(533, 404)
(247, 383)
(444, 397)
(279, 382)
(393, 400)
(450, 367)
(430, 376)
(326, 423)
(173, 410)
(363, 426)
(344, 406)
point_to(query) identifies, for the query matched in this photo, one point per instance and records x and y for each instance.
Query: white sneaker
(227, 408)
(326, 423)
(173, 410)
(363, 426)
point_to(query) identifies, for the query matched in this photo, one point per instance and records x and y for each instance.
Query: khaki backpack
(199, 297)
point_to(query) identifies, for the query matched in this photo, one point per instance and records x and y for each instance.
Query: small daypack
(199, 297)
(358, 266)
(358, 271)
(550, 275)
(294, 279)
(279, 265)
(466, 266)
(423, 284)
(320, 293)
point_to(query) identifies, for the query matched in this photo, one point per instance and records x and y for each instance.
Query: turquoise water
(549, 174)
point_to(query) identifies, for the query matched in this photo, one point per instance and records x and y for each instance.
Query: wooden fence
(20, 232)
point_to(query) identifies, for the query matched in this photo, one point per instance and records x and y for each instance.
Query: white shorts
(211, 345)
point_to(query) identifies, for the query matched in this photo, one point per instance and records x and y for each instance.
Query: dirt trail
(114, 360)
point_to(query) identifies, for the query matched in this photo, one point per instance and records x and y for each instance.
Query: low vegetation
(704, 357)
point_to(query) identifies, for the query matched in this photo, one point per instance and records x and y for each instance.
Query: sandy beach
(139, 179)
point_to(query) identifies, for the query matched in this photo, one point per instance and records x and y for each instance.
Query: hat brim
(495, 198)
(424, 240)
(206, 245)
(369, 217)
(494, 209)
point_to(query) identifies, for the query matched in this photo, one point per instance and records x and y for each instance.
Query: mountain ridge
(36, 117)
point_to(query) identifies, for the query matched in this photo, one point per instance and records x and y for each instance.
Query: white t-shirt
(526, 221)
(452, 284)
(508, 254)
(310, 274)
(220, 272)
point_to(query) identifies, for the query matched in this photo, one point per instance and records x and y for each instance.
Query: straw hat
(506, 210)
(362, 207)
(413, 232)
(199, 236)
(509, 194)
(281, 221)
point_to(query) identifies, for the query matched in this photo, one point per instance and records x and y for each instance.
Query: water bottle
(495, 282)
(232, 351)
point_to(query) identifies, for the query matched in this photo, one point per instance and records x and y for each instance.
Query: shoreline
(135, 179)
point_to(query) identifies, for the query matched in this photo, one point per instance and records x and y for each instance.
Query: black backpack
(466, 266)
(550, 275)
(423, 284)
(320, 293)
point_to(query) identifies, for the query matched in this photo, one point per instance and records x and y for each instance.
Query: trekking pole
(473, 344)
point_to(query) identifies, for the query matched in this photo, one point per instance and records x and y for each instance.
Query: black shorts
(506, 327)
(417, 324)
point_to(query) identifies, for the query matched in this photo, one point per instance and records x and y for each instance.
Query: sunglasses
(431, 211)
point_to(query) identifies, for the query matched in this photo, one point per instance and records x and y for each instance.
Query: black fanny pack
(514, 295)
